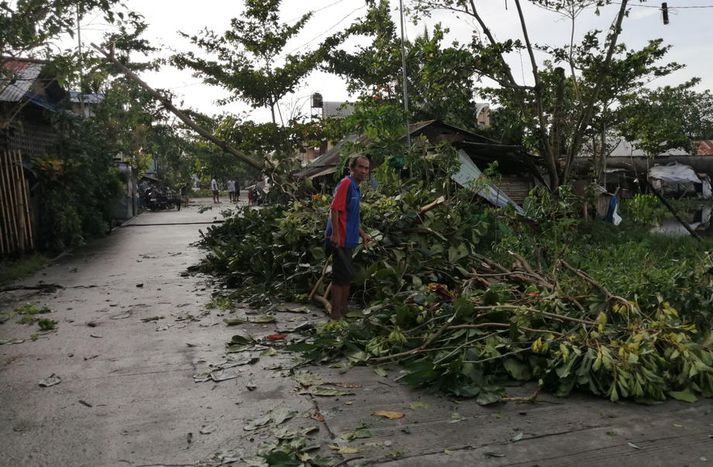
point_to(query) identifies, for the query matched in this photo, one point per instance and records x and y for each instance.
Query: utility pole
(404, 75)
(81, 66)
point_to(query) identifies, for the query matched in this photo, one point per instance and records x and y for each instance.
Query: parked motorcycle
(156, 199)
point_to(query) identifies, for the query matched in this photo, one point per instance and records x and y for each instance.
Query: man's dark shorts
(343, 272)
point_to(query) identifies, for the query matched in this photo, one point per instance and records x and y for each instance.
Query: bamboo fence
(15, 218)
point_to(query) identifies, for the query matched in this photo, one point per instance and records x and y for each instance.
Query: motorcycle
(156, 199)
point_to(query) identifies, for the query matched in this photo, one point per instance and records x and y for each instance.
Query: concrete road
(146, 380)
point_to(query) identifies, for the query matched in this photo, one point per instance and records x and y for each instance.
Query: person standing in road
(344, 231)
(231, 190)
(214, 189)
(237, 191)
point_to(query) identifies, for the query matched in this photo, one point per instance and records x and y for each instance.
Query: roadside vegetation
(15, 269)
(467, 297)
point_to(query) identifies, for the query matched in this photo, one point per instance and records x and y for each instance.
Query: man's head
(359, 167)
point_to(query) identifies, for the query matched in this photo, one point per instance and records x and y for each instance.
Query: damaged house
(517, 169)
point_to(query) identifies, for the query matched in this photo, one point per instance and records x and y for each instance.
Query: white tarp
(674, 173)
(469, 173)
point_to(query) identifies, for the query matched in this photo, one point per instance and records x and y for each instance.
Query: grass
(47, 324)
(29, 312)
(220, 302)
(13, 270)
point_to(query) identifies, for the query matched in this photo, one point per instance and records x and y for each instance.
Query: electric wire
(325, 31)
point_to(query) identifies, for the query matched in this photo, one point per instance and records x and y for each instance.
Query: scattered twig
(438, 201)
(530, 398)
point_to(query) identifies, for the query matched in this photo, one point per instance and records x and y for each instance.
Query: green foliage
(12, 270)
(440, 77)
(466, 297)
(260, 259)
(668, 117)
(556, 111)
(28, 313)
(645, 209)
(47, 324)
(382, 123)
(78, 185)
(30, 24)
(244, 59)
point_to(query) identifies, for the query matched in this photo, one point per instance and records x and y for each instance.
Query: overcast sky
(689, 32)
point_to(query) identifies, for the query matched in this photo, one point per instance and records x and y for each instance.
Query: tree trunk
(587, 114)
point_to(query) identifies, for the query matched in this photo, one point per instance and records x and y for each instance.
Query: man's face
(361, 171)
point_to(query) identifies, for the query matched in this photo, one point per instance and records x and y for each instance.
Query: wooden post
(4, 212)
(19, 206)
(26, 197)
(22, 210)
(7, 195)
(13, 201)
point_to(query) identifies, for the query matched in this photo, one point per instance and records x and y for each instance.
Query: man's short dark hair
(354, 159)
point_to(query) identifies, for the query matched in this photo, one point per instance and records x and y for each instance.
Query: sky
(689, 32)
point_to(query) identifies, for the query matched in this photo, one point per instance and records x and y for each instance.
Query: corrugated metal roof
(17, 78)
(74, 96)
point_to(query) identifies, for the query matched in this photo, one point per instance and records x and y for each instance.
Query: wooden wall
(15, 219)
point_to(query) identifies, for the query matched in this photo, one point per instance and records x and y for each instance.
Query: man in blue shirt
(343, 233)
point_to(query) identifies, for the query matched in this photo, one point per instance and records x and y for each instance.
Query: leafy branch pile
(466, 297)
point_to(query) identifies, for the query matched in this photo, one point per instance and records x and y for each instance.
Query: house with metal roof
(28, 90)
(517, 168)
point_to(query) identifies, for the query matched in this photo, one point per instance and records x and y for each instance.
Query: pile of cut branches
(465, 297)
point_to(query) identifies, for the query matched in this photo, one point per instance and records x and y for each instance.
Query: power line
(326, 31)
(297, 18)
(657, 7)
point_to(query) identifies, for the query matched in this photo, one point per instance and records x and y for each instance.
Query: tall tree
(440, 79)
(246, 59)
(541, 103)
(668, 118)
(28, 26)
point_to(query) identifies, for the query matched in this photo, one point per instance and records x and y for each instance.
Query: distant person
(237, 191)
(214, 189)
(343, 233)
(231, 190)
(260, 191)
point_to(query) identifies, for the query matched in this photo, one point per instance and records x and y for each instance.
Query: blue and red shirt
(346, 202)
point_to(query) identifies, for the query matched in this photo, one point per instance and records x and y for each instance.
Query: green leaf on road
(327, 391)
(360, 433)
(685, 396)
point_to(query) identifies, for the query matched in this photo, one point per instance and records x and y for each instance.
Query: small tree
(246, 58)
(440, 79)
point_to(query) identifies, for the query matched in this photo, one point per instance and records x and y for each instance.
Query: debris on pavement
(11, 341)
(51, 380)
(391, 415)
(207, 429)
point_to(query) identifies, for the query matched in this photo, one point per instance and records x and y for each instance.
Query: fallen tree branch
(259, 165)
(610, 296)
(534, 310)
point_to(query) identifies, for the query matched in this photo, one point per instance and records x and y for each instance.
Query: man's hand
(334, 239)
(365, 238)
